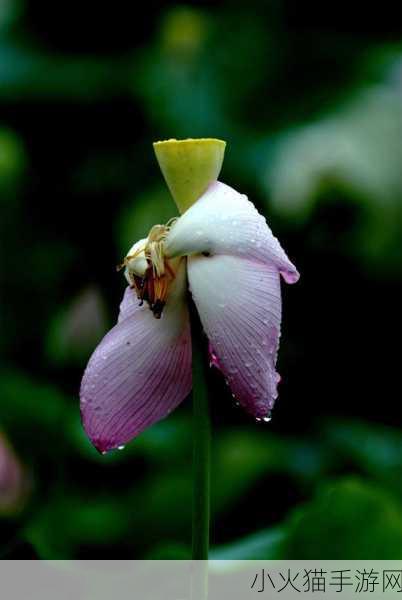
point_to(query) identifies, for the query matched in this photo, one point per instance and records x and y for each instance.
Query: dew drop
(122, 447)
(268, 417)
(258, 419)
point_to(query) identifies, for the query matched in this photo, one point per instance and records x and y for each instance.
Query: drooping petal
(223, 221)
(239, 303)
(140, 371)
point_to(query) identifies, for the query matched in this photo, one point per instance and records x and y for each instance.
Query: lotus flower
(221, 250)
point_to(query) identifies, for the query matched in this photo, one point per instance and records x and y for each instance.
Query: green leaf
(263, 545)
(12, 162)
(350, 520)
(374, 449)
(28, 404)
(69, 521)
(257, 454)
(169, 551)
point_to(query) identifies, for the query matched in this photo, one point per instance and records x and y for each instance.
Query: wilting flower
(223, 251)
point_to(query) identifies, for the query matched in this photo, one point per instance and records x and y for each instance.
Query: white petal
(239, 303)
(223, 221)
(138, 264)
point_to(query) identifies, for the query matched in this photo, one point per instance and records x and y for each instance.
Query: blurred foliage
(76, 329)
(359, 520)
(14, 484)
(309, 101)
(355, 152)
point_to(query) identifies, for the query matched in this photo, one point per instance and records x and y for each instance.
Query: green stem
(201, 466)
(201, 452)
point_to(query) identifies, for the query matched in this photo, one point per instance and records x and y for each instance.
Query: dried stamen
(148, 271)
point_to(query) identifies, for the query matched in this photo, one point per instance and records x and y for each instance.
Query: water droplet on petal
(258, 419)
(122, 447)
(268, 417)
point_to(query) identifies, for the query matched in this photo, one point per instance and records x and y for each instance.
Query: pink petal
(239, 303)
(223, 221)
(140, 371)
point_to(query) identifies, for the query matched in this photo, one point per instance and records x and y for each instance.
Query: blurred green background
(309, 101)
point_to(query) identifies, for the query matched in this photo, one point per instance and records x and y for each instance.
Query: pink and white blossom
(222, 250)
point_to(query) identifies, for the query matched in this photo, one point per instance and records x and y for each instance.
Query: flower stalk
(201, 446)
(201, 462)
(189, 167)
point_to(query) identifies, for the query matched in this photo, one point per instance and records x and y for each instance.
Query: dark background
(308, 98)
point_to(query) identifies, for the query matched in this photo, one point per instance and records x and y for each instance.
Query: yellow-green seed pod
(189, 167)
